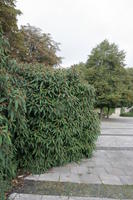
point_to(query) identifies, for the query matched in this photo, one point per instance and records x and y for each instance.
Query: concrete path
(107, 175)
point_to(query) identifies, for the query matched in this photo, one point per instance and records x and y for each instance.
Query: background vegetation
(27, 44)
(113, 82)
(127, 114)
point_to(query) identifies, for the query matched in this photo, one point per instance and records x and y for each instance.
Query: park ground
(108, 175)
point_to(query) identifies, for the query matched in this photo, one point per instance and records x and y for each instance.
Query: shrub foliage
(61, 120)
(50, 116)
(127, 114)
(56, 122)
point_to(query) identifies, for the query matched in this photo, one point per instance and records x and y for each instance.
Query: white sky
(79, 25)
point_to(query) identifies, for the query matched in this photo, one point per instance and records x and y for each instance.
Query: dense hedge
(12, 112)
(61, 125)
(47, 118)
(50, 116)
(7, 167)
(61, 119)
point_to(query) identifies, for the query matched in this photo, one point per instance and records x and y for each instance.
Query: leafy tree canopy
(8, 22)
(28, 44)
(80, 68)
(107, 55)
(8, 16)
(39, 47)
(106, 72)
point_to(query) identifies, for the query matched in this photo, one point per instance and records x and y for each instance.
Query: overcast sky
(79, 25)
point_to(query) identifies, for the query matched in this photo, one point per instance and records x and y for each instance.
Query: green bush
(7, 151)
(61, 125)
(58, 125)
(128, 114)
(61, 120)
(12, 118)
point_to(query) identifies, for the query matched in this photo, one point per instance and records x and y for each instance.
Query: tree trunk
(101, 112)
(108, 113)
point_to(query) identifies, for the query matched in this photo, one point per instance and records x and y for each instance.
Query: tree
(28, 44)
(8, 23)
(106, 54)
(130, 74)
(80, 68)
(130, 83)
(39, 47)
(106, 72)
(8, 16)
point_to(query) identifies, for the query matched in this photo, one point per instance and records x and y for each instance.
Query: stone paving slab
(122, 123)
(117, 141)
(117, 131)
(45, 197)
(116, 126)
(104, 167)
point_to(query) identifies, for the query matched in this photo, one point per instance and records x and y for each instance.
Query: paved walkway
(108, 175)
